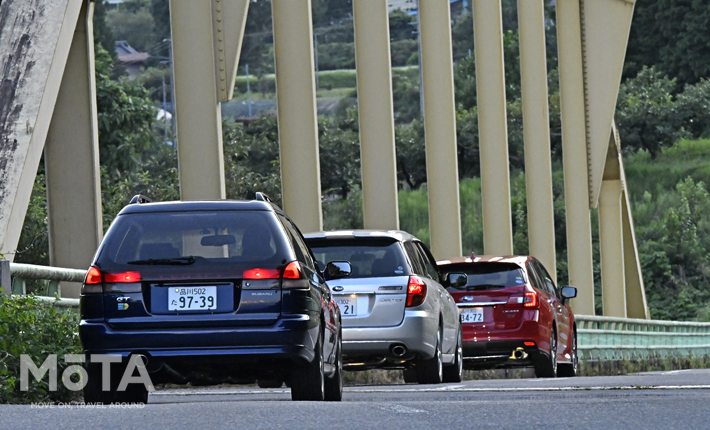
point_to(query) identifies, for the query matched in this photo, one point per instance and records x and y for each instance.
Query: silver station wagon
(395, 312)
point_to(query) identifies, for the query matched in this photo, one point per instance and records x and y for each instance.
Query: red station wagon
(513, 315)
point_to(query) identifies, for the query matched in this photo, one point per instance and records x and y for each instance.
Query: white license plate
(192, 298)
(471, 315)
(347, 305)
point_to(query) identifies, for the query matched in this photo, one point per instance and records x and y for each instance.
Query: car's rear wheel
(308, 381)
(409, 376)
(454, 372)
(570, 369)
(269, 383)
(94, 393)
(431, 371)
(334, 383)
(546, 366)
(92, 389)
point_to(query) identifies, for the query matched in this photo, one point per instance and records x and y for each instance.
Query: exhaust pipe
(519, 354)
(398, 350)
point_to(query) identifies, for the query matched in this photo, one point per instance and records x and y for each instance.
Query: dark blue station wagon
(208, 293)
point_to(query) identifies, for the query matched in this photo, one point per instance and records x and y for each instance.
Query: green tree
(671, 35)
(133, 23)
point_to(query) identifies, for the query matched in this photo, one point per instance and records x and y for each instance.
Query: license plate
(347, 305)
(471, 315)
(192, 298)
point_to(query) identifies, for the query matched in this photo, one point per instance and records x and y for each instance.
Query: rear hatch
(192, 269)
(375, 294)
(493, 297)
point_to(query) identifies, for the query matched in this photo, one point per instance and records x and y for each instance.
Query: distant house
(410, 6)
(132, 60)
(405, 5)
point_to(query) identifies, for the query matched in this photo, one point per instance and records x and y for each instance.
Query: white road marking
(402, 409)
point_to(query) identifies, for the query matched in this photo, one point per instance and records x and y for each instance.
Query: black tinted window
(414, 258)
(489, 276)
(429, 266)
(299, 246)
(368, 257)
(236, 238)
(549, 285)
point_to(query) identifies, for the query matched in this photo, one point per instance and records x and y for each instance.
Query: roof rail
(262, 197)
(139, 198)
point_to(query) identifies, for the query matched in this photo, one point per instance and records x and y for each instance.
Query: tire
(409, 376)
(334, 383)
(454, 372)
(269, 383)
(570, 370)
(134, 393)
(431, 371)
(308, 381)
(546, 366)
(93, 394)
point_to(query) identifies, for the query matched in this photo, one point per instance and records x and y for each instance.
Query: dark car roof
(213, 205)
(520, 260)
(398, 235)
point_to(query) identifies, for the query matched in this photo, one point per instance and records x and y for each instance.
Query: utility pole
(248, 92)
(315, 38)
(165, 112)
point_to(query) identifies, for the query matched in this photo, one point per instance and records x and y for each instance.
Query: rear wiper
(177, 261)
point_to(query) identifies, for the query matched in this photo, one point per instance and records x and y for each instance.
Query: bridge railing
(14, 277)
(599, 338)
(609, 338)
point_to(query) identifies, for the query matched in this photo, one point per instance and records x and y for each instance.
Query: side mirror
(568, 292)
(337, 270)
(456, 280)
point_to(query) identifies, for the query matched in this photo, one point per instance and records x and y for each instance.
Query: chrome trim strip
(468, 305)
(348, 293)
(484, 357)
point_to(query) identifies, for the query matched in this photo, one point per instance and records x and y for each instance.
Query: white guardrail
(609, 338)
(598, 338)
(14, 277)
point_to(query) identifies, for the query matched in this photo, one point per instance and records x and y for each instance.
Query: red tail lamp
(416, 291)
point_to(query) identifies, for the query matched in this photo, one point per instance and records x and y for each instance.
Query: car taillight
(93, 276)
(292, 271)
(262, 274)
(416, 291)
(292, 278)
(124, 277)
(93, 283)
(530, 299)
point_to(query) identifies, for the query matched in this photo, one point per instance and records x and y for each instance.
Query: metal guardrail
(608, 338)
(14, 277)
(599, 338)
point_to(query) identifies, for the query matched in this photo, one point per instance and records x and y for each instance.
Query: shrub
(38, 329)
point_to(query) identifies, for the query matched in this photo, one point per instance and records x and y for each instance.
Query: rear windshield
(489, 276)
(368, 257)
(207, 239)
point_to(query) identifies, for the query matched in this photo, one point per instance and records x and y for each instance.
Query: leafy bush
(30, 326)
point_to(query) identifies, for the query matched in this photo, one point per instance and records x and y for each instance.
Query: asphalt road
(657, 400)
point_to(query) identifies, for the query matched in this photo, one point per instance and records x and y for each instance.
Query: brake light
(416, 291)
(292, 271)
(122, 277)
(93, 276)
(262, 274)
(529, 343)
(530, 299)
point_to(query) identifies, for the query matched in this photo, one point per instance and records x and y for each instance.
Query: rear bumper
(291, 338)
(417, 333)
